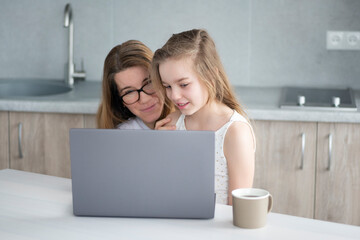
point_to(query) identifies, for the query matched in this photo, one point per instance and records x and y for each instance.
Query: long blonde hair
(112, 111)
(198, 45)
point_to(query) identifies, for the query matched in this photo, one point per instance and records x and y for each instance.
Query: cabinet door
(4, 140)
(89, 121)
(44, 142)
(338, 187)
(278, 165)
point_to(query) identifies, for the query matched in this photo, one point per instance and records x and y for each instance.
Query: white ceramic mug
(250, 207)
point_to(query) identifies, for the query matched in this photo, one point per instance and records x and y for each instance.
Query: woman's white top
(133, 123)
(221, 170)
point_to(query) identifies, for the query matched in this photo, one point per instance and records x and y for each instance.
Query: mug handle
(270, 204)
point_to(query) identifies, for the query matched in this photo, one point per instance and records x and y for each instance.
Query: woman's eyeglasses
(132, 95)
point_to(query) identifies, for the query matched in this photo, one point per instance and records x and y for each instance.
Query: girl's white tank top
(221, 170)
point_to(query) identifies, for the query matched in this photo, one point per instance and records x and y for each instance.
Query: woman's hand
(162, 124)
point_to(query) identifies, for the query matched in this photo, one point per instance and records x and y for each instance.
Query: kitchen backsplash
(261, 42)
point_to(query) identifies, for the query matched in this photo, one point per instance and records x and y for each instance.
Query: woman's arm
(239, 150)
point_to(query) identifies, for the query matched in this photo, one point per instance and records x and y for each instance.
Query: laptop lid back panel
(143, 173)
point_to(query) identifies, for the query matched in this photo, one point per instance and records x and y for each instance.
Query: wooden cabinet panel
(4, 140)
(278, 161)
(45, 142)
(90, 121)
(338, 188)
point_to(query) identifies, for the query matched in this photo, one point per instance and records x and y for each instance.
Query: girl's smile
(182, 85)
(182, 105)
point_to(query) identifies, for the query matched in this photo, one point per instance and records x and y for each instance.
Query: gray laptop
(143, 173)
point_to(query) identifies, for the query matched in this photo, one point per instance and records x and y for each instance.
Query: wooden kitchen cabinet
(314, 191)
(44, 142)
(338, 187)
(89, 121)
(4, 140)
(282, 169)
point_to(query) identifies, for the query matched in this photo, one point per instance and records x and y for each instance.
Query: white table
(35, 206)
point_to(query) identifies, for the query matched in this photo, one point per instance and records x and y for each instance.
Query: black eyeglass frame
(138, 92)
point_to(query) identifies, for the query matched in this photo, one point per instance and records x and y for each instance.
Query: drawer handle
(303, 138)
(330, 150)
(19, 138)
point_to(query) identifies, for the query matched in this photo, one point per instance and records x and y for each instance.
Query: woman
(128, 99)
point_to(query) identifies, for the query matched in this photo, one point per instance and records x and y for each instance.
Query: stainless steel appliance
(318, 99)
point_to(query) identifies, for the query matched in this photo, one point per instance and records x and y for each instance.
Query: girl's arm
(239, 150)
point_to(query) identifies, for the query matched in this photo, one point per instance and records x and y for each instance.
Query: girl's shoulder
(241, 130)
(237, 117)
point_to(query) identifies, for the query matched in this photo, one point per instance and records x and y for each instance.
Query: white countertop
(259, 103)
(35, 206)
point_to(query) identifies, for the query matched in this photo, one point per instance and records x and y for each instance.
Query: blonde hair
(198, 45)
(112, 111)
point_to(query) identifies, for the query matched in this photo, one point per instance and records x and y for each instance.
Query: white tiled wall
(261, 42)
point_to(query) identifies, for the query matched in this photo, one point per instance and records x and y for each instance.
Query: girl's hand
(162, 124)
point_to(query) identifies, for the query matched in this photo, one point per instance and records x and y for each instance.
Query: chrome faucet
(71, 73)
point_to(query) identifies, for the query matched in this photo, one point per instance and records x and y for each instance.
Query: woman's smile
(149, 108)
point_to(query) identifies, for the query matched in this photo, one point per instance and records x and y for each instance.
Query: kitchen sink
(31, 88)
(318, 99)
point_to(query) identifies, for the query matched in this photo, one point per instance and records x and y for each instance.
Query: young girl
(129, 100)
(188, 70)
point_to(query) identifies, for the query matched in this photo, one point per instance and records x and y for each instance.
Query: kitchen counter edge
(260, 103)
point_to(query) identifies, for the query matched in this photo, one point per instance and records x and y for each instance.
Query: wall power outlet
(343, 40)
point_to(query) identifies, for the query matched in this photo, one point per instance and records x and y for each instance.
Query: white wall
(261, 42)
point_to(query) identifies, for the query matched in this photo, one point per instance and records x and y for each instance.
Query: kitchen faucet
(71, 72)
